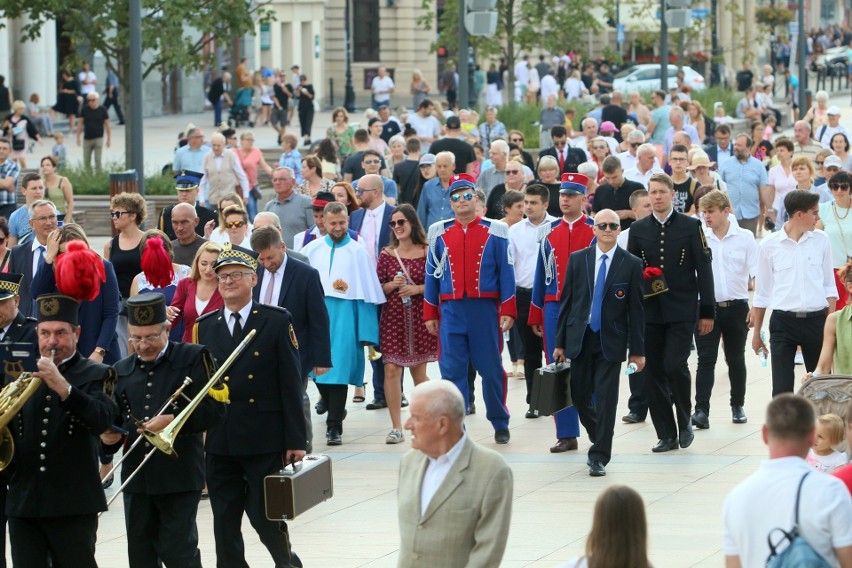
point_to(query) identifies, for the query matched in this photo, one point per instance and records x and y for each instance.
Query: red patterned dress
(403, 336)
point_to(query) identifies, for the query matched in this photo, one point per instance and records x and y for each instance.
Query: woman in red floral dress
(402, 333)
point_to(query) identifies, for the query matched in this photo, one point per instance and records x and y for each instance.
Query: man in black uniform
(187, 192)
(674, 245)
(161, 502)
(55, 491)
(264, 428)
(14, 328)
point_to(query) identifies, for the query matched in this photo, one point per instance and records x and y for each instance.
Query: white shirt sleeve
(764, 278)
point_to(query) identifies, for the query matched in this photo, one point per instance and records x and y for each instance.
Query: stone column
(37, 69)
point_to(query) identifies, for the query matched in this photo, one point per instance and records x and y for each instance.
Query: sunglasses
(233, 224)
(838, 186)
(635, 144)
(513, 171)
(455, 198)
(819, 163)
(397, 223)
(372, 162)
(118, 214)
(516, 140)
(560, 144)
(610, 226)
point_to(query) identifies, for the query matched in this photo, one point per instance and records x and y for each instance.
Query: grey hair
(396, 138)
(587, 119)
(443, 399)
(501, 145)
(272, 216)
(677, 110)
(588, 169)
(287, 169)
(448, 154)
(217, 137)
(646, 148)
(636, 135)
(40, 203)
(548, 162)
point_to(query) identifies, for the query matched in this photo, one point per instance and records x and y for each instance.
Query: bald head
(607, 216)
(371, 191)
(184, 221)
(184, 210)
(267, 218)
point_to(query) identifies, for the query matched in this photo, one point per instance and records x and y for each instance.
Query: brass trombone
(165, 439)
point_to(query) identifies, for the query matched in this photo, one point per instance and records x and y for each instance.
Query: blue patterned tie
(597, 299)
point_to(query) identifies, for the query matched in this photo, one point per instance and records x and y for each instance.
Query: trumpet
(12, 398)
(372, 354)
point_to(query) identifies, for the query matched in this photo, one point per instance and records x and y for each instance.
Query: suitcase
(551, 389)
(298, 488)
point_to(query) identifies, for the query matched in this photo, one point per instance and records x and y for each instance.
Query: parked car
(646, 77)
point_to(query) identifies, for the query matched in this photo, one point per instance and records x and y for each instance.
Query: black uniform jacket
(141, 391)
(55, 467)
(265, 384)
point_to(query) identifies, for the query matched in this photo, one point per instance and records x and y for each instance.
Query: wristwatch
(100, 351)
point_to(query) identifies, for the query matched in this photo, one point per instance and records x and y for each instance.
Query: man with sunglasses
(568, 158)
(470, 289)
(371, 162)
(557, 240)
(600, 314)
(629, 158)
(615, 192)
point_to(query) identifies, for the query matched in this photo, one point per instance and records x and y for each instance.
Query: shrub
(97, 182)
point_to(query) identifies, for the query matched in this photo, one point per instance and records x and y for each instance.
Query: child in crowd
(719, 116)
(769, 130)
(59, 151)
(822, 456)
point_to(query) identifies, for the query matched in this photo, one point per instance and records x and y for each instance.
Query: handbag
(256, 193)
(799, 554)
(18, 144)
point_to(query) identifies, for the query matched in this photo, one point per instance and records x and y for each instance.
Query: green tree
(522, 25)
(174, 32)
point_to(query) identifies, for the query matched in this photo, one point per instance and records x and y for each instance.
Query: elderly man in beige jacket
(455, 496)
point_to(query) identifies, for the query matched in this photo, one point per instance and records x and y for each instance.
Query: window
(365, 30)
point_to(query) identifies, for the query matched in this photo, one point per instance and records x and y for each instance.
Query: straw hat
(700, 159)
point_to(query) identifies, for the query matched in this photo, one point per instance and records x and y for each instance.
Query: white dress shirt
(244, 313)
(794, 276)
(436, 472)
(274, 279)
(734, 262)
(623, 236)
(372, 225)
(523, 245)
(633, 174)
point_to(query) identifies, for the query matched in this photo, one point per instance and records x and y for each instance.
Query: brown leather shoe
(564, 445)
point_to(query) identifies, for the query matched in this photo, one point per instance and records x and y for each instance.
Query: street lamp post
(349, 97)
(137, 158)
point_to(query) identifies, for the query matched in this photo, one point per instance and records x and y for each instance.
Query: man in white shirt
(795, 279)
(522, 77)
(640, 204)
(444, 473)
(523, 246)
(646, 165)
(767, 499)
(734, 262)
(423, 122)
(88, 81)
(826, 132)
(629, 159)
(589, 130)
(382, 87)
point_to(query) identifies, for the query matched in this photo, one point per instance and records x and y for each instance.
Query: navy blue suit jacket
(622, 311)
(302, 295)
(21, 262)
(357, 219)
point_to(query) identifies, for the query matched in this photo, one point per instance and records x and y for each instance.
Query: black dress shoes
(320, 407)
(403, 402)
(700, 420)
(564, 445)
(332, 438)
(471, 409)
(686, 437)
(665, 445)
(738, 415)
(501, 436)
(597, 469)
(531, 413)
(376, 404)
(632, 418)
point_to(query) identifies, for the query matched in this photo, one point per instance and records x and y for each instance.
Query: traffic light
(480, 17)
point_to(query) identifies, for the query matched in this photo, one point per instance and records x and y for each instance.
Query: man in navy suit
(371, 223)
(286, 282)
(720, 149)
(26, 259)
(601, 313)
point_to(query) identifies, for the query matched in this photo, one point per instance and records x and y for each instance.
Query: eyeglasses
(397, 223)
(513, 171)
(147, 339)
(235, 276)
(372, 162)
(457, 196)
(45, 218)
(281, 180)
(677, 159)
(118, 214)
(839, 186)
(232, 224)
(360, 191)
(610, 226)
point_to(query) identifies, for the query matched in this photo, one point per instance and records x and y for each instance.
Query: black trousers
(731, 326)
(592, 374)
(335, 400)
(235, 484)
(114, 101)
(533, 346)
(786, 332)
(638, 402)
(162, 527)
(306, 119)
(69, 541)
(667, 348)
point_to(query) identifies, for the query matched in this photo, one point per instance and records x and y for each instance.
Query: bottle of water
(631, 368)
(406, 300)
(761, 353)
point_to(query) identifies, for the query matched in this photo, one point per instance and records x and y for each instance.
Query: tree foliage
(553, 26)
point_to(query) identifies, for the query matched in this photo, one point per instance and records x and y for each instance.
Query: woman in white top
(220, 234)
(619, 535)
(573, 86)
(835, 220)
(781, 179)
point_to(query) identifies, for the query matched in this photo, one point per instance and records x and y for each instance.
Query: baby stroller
(830, 394)
(240, 110)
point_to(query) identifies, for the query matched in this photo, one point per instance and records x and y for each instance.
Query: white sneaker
(395, 437)
(799, 360)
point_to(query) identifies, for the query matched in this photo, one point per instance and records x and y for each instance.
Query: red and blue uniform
(557, 240)
(470, 284)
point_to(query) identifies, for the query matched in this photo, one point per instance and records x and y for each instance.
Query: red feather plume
(156, 263)
(79, 272)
